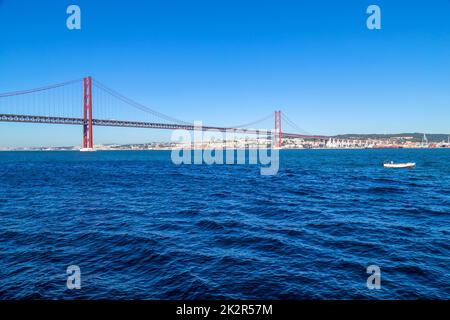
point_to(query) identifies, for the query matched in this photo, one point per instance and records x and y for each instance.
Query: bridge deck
(138, 124)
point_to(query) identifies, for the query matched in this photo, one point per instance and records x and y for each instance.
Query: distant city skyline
(227, 63)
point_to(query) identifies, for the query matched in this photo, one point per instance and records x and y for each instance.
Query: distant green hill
(417, 137)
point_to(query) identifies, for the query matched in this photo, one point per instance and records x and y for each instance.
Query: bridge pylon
(88, 142)
(277, 129)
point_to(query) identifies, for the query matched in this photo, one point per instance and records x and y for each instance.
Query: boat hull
(399, 165)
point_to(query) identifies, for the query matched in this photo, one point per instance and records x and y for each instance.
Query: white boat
(399, 165)
(87, 150)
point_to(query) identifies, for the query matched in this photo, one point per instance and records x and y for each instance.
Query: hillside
(432, 137)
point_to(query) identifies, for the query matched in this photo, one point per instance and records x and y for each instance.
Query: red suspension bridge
(60, 104)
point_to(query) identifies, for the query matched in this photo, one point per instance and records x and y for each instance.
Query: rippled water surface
(140, 227)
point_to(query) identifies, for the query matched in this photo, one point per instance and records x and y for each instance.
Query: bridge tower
(88, 142)
(278, 131)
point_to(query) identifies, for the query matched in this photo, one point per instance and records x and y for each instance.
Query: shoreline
(224, 149)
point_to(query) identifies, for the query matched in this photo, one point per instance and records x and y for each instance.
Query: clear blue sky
(231, 62)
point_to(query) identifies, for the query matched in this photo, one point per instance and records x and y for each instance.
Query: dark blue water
(140, 227)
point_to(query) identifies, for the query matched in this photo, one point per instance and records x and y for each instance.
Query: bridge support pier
(88, 142)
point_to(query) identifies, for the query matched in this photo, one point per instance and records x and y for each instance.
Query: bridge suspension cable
(146, 109)
(250, 124)
(60, 100)
(53, 86)
(135, 104)
(293, 125)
